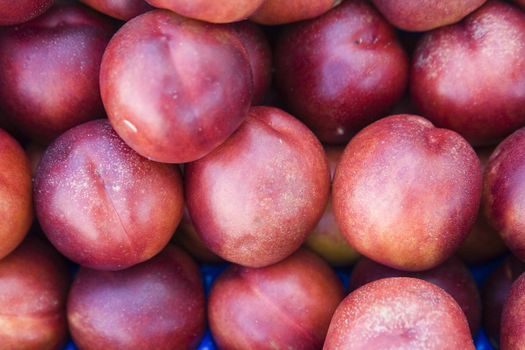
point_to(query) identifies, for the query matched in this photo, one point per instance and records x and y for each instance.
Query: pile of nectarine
(262, 174)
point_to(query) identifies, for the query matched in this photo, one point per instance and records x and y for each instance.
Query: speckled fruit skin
(283, 306)
(453, 276)
(16, 12)
(341, 71)
(100, 203)
(513, 317)
(213, 11)
(260, 57)
(255, 199)
(16, 199)
(483, 243)
(326, 239)
(175, 88)
(470, 77)
(405, 193)
(273, 12)
(188, 238)
(400, 313)
(34, 281)
(494, 295)
(120, 9)
(50, 70)
(424, 15)
(158, 304)
(504, 191)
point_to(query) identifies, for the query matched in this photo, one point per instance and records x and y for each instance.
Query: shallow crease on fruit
(175, 88)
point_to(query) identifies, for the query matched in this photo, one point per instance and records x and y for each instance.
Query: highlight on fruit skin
(456, 84)
(403, 312)
(120, 9)
(175, 88)
(101, 204)
(255, 198)
(34, 283)
(341, 71)
(275, 12)
(224, 11)
(16, 197)
(393, 187)
(453, 276)
(158, 304)
(288, 304)
(50, 70)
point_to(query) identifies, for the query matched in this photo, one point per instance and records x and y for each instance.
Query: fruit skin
(399, 312)
(34, 281)
(452, 276)
(101, 204)
(225, 11)
(425, 15)
(260, 57)
(158, 304)
(187, 238)
(483, 243)
(470, 77)
(494, 295)
(16, 12)
(175, 88)
(504, 190)
(16, 199)
(326, 238)
(341, 71)
(273, 12)
(255, 198)
(393, 190)
(120, 9)
(50, 69)
(512, 331)
(287, 305)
